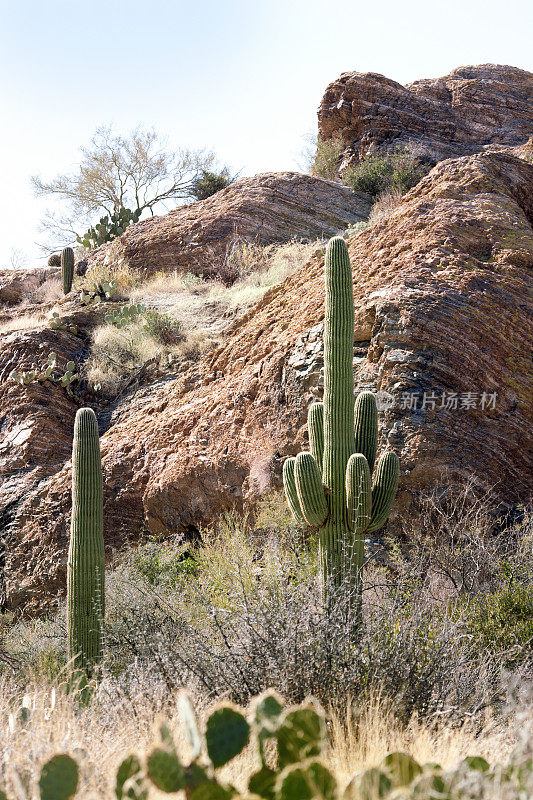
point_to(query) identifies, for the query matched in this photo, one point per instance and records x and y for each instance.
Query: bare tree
(138, 171)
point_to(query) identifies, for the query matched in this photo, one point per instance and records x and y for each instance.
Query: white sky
(240, 77)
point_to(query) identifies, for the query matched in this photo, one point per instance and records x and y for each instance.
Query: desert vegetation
(262, 536)
(416, 650)
(239, 611)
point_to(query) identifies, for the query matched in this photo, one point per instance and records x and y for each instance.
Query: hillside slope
(441, 307)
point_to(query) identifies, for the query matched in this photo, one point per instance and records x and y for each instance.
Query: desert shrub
(400, 169)
(245, 613)
(353, 230)
(162, 564)
(242, 258)
(503, 621)
(133, 341)
(207, 183)
(48, 291)
(120, 356)
(163, 327)
(327, 157)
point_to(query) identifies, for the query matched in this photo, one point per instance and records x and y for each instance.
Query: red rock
(269, 208)
(458, 114)
(441, 306)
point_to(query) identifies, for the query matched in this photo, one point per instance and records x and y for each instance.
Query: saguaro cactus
(67, 268)
(331, 488)
(85, 576)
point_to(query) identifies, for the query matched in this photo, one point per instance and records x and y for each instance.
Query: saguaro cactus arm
(310, 490)
(291, 494)
(315, 425)
(366, 427)
(358, 493)
(384, 489)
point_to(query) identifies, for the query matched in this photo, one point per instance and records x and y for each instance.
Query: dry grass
(385, 205)
(366, 734)
(23, 323)
(120, 356)
(277, 263)
(207, 307)
(116, 724)
(48, 292)
(120, 272)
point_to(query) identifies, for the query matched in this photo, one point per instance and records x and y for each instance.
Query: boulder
(267, 209)
(443, 331)
(458, 114)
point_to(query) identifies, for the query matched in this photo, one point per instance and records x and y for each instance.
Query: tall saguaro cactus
(331, 487)
(67, 268)
(86, 566)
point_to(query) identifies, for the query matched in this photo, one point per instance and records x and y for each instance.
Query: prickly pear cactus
(86, 566)
(330, 488)
(108, 228)
(59, 778)
(292, 767)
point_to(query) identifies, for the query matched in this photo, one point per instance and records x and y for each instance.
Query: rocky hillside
(267, 209)
(459, 114)
(443, 329)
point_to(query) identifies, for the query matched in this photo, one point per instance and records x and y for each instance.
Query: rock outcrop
(270, 208)
(18, 283)
(443, 329)
(459, 114)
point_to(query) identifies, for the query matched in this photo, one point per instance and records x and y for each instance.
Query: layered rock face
(268, 209)
(459, 114)
(443, 329)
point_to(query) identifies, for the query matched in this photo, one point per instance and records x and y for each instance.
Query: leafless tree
(137, 171)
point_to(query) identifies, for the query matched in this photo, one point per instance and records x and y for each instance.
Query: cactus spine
(331, 488)
(67, 268)
(85, 571)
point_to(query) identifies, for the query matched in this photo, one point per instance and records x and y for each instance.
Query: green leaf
(195, 776)
(166, 736)
(310, 782)
(129, 783)
(429, 787)
(268, 708)
(188, 719)
(262, 783)
(477, 763)
(226, 735)
(212, 790)
(301, 735)
(59, 778)
(401, 768)
(165, 770)
(371, 784)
